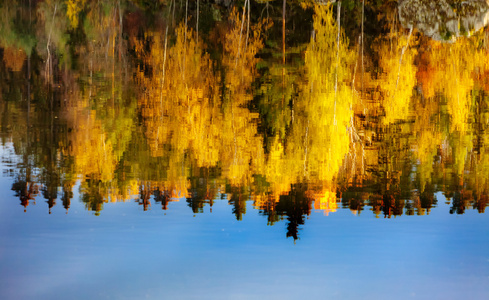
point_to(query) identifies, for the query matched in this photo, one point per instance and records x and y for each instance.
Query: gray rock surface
(444, 20)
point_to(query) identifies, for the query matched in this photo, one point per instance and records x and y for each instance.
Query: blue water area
(129, 253)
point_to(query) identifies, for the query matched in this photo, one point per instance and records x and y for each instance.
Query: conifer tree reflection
(92, 195)
(67, 195)
(481, 202)
(237, 198)
(145, 191)
(294, 207)
(203, 189)
(25, 191)
(353, 198)
(163, 197)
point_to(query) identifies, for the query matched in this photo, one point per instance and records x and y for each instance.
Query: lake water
(179, 150)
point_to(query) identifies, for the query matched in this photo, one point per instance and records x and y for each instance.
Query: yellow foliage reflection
(408, 116)
(177, 106)
(398, 78)
(325, 200)
(184, 112)
(324, 111)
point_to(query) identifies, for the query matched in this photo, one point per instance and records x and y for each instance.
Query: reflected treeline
(209, 100)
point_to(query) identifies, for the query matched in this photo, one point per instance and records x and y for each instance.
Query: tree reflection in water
(123, 100)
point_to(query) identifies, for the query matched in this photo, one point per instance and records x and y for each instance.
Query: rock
(444, 20)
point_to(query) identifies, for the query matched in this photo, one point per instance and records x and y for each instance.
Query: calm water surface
(169, 150)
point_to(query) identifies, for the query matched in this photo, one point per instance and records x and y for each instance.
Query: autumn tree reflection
(26, 192)
(130, 102)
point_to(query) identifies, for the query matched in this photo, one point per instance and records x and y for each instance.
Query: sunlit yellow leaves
(428, 144)
(315, 147)
(398, 80)
(326, 60)
(458, 82)
(327, 98)
(241, 151)
(241, 47)
(93, 154)
(325, 200)
(280, 172)
(184, 115)
(454, 68)
(461, 144)
(74, 7)
(427, 138)
(177, 105)
(327, 142)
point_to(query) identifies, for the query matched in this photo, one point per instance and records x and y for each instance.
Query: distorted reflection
(133, 106)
